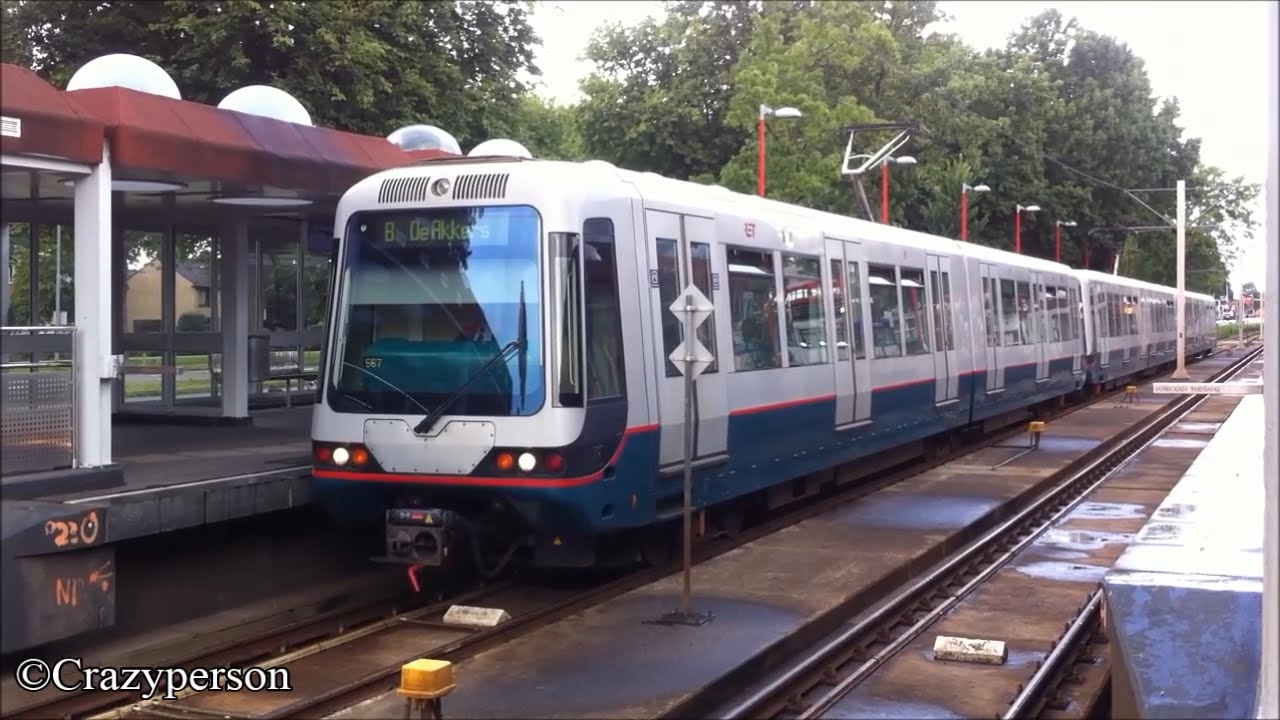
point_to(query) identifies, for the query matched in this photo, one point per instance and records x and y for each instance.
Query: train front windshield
(439, 312)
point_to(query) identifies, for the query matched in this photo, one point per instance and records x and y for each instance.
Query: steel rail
(1078, 482)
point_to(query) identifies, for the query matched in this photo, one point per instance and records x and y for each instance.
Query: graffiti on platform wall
(67, 590)
(83, 530)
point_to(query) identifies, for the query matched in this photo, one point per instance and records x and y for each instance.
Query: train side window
(1077, 315)
(805, 309)
(915, 316)
(1049, 299)
(886, 321)
(568, 317)
(1066, 312)
(855, 310)
(753, 310)
(1010, 323)
(668, 290)
(701, 255)
(989, 292)
(1133, 315)
(1027, 315)
(606, 369)
(839, 305)
(949, 330)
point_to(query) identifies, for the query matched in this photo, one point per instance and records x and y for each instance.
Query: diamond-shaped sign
(692, 299)
(691, 358)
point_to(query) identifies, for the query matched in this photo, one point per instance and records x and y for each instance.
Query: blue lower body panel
(766, 446)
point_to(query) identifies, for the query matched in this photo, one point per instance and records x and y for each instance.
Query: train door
(1128, 325)
(1077, 330)
(853, 390)
(945, 364)
(1040, 331)
(991, 319)
(679, 247)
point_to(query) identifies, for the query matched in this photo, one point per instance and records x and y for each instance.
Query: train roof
(1096, 276)
(726, 200)
(589, 175)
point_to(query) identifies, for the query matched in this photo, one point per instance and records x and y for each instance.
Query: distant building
(193, 311)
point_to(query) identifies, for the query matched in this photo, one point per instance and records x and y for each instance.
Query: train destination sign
(427, 230)
(1229, 388)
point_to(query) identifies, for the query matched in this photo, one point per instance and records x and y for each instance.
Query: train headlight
(341, 456)
(527, 461)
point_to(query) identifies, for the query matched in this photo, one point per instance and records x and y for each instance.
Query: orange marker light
(504, 461)
(359, 456)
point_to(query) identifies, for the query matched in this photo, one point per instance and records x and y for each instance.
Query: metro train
(496, 380)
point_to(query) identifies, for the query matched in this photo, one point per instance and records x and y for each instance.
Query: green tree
(549, 131)
(660, 93)
(367, 66)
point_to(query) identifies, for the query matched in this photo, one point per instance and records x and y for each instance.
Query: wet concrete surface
(1184, 600)
(1028, 603)
(605, 662)
(159, 455)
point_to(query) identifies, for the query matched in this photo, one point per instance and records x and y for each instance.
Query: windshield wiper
(521, 343)
(380, 379)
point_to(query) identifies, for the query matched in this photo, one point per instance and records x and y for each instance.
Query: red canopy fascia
(186, 139)
(53, 125)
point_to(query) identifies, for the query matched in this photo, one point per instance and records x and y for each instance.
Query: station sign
(1229, 388)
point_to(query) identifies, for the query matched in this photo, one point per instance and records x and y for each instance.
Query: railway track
(336, 661)
(808, 685)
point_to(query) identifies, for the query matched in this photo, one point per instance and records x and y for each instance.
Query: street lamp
(1017, 225)
(965, 189)
(766, 111)
(884, 182)
(1057, 237)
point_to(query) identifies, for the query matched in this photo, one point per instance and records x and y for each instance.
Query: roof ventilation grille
(404, 189)
(489, 186)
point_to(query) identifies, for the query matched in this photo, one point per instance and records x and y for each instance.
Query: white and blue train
(496, 374)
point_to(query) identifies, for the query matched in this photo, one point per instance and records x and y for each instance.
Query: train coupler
(422, 537)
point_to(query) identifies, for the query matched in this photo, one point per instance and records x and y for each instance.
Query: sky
(1210, 55)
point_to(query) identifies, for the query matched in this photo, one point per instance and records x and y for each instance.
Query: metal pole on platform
(1268, 682)
(57, 277)
(1181, 372)
(691, 359)
(686, 594)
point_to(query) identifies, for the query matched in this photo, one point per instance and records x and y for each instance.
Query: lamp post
(965, 189)
(884, 183)
(766, 111)
(1017, 224)
(1057, 237)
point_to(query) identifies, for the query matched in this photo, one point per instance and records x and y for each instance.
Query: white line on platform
(194, 483)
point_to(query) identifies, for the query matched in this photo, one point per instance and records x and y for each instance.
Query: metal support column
(1180, 371)
(235, 316)
(5, 286)
(1268, 682)
(95, 366)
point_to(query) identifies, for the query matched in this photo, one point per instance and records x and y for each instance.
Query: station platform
(170, 476)
(1184, 602)
(61, 528)
(612, 661)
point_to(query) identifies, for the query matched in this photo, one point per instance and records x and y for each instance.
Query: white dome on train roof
(424, 137)
(126, 71)
(500, 147)
(267, 101)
